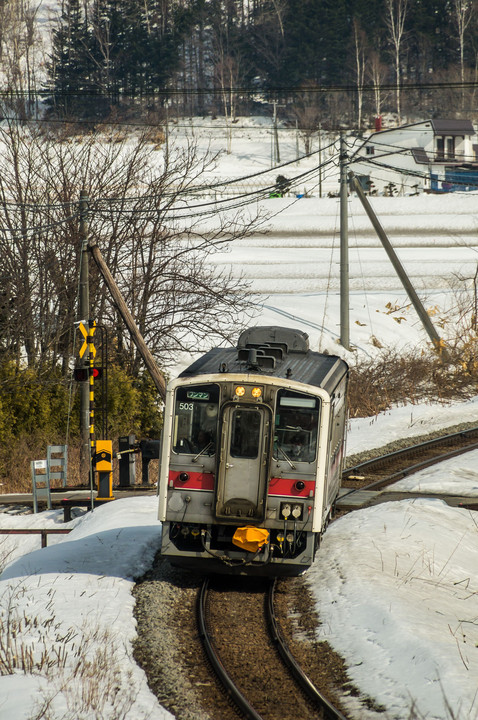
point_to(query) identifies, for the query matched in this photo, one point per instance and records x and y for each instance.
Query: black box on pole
(127, 460)
(150, 450)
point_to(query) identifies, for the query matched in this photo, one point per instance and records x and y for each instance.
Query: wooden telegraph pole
(437, 341)
(148, 359)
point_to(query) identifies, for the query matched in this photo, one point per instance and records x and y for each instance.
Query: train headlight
(184, 477)
(240, 391)
(285, 510)
(256, 392)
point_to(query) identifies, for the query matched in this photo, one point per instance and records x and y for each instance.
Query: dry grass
(376, 385)
(83, 666)
(16, 475)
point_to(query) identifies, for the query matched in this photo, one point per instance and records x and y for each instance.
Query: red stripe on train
(195, 481)
(286, 486)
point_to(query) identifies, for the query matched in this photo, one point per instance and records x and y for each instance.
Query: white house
(432, 156)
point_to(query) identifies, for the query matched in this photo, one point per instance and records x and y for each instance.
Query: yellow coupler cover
(250, 538)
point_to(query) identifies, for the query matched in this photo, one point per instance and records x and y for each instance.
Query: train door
(243, 463)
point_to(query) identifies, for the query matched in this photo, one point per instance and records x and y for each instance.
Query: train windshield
(296, 426)
(196, 414)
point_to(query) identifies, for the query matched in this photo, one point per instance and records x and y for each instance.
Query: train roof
(274, 352)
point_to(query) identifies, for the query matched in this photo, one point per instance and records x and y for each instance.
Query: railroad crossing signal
(87, 334)
(81, 374)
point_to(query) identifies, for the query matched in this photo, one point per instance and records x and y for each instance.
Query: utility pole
(84, 311)
(276, 136)
(399, 269)
(320, 159)
(344, 249)
(275, 154)
(166, 139)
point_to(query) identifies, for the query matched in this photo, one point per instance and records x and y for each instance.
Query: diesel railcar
(253, 445)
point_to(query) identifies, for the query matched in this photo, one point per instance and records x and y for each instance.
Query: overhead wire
(221, 183)
(18, 233)
(247, 90)
(422, 174)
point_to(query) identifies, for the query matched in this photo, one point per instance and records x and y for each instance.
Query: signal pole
(84, 310)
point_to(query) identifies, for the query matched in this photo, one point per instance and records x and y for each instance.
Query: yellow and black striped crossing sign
(88, 339)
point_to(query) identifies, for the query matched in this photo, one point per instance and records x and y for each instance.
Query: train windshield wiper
(201, 452)
(286, 457)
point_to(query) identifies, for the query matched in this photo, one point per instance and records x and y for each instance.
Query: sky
(395, 584)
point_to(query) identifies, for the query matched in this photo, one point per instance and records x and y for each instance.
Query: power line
(248, 90)
(413, 173)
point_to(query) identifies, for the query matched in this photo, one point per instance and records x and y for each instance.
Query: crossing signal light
(81, 374)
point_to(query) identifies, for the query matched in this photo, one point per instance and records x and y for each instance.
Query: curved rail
(412, 450)
(328, 711)
(232, 691)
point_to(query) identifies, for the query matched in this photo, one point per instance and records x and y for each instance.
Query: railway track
(248, 652)
(235, 627)
(386, 469)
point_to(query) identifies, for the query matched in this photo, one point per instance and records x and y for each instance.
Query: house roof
(453, 127)
(420, 155)
(440, 126)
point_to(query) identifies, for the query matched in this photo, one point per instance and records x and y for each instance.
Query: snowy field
(292, 264)
(395, 584)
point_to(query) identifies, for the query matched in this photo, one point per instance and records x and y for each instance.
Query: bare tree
(155, 241)
(307, 112)
(19, 41)
(396, 12)
(359, 56)
(463, 11)
(377, 72)
(226, 73)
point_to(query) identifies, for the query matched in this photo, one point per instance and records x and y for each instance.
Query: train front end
(251, 461)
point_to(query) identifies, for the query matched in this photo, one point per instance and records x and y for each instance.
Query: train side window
(296, 426)
(245, 433)
(196, 412)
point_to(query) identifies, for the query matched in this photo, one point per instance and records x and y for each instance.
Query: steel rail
(410, 469)
(328, 711)
(387, 457)
(232, 691)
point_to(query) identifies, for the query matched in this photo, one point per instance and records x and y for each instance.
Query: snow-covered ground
(395, 584)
